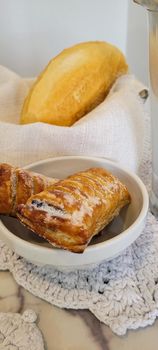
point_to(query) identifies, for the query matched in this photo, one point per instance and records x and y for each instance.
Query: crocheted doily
(19, 332)
(122, 293)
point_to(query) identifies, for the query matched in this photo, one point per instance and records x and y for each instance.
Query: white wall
(33, 31)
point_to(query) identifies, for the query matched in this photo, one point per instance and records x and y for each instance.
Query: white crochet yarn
(19, 332)
(122, 293)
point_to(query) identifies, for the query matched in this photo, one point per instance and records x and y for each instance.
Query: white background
(33, 31)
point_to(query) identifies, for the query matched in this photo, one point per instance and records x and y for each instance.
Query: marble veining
(94, 327)
(71, 329)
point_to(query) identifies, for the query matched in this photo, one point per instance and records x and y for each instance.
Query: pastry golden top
(73, 83)
(75, 209)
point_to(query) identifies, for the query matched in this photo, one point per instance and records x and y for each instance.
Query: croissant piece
(75, 209)
(17, 185)
(73, 83)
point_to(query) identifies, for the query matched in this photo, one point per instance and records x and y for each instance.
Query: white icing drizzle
(75, 217)
(69, 198)
(94, 200)
(78, 215)
(110, 186)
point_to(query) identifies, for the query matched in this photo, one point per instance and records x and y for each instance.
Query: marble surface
(70, 329)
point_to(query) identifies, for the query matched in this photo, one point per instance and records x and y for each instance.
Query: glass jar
(152, 10)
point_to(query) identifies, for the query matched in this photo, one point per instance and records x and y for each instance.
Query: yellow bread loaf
(73, 83)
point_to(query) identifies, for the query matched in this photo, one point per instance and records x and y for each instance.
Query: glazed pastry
(75, 209)
(73, 83)
(17, 185)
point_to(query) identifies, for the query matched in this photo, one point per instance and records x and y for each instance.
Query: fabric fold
(114, 129)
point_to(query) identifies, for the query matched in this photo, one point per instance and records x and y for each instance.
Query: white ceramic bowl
(118, 235)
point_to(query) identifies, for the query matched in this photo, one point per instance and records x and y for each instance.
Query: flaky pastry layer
(75, 209)
(17, 185)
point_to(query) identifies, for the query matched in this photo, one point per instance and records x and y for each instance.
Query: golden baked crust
(75, 209)
(6, 176)
(73, 83)
(17, 185)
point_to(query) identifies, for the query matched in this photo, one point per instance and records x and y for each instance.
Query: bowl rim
(96, 246)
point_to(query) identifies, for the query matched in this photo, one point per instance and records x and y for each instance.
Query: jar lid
(149, 4)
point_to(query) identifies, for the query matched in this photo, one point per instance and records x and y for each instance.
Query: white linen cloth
(122, 292)
(114, 129)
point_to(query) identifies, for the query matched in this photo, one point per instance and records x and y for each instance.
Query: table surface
(70, 329)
